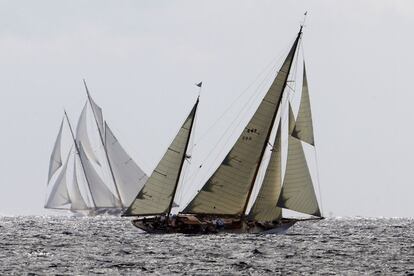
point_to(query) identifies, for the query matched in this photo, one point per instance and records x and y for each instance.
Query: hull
(188, 224)
(98, 212)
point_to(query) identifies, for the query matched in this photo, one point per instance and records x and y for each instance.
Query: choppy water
(69, 245)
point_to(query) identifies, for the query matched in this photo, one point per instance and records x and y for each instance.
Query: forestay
(226, 192)
(128, 176)
(264, 208)
(158, 192)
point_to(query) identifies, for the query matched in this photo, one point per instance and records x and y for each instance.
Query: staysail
(58, 196)
(56, 157)
(129, 177)
(304, 128)
(297, 192)
(77, 201)
(228, 189)
(102, 196)
(264, 208)
(158, 193)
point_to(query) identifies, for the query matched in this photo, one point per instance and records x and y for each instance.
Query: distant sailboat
(222, 203)
(104, 179)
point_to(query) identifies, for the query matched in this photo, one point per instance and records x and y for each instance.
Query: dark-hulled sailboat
(222, 203)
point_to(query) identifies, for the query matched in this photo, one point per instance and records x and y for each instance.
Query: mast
(103, 143)
(184, 156)
(269, 132)
(78, 152)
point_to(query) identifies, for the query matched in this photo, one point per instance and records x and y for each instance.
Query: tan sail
(228, 189)
(158, 191)
(264, 208)
(304, 128)
(298, 193)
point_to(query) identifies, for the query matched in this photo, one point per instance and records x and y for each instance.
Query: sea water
(108, 245)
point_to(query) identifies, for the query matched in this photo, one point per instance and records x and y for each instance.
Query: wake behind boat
(221, 205)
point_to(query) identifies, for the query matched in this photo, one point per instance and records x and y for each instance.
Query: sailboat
(95, 178)
(221, 205)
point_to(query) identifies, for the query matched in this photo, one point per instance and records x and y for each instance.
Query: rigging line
(266, 68)
(233, 126)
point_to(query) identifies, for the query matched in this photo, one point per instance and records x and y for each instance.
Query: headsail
(227, 191)
(264, 208)
(77, 201)
(58, 196)
(56, 157)
(158, 193)
(129, 177)
(102, 196)
(297, 192)
(304, 128)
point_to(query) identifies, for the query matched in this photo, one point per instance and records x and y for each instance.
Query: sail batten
(229, 188)
(158, 193)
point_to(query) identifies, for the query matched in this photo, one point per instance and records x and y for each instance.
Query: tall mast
(269, 131)
(184, 156)
(78, 152)
(103, 143)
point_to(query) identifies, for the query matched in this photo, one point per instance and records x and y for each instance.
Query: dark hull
(182, 225)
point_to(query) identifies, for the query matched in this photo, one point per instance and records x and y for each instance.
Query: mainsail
(264, 208)
(129, 177)
(297, 192)
(158, 193)
(82, 136)
(228, 190)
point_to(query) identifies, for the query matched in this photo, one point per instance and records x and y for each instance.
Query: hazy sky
(142, 58)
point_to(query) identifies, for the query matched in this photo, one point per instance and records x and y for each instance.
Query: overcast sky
(142, 58)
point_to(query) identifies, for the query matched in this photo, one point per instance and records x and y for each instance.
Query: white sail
(304, 127)
(291, 119)
(56, 157)
(227, 191)
(97, 110)
(77, 200)
(59, 196)
(82, 136)
(158, 192)
(264, 208)
(129, 177)
(102, 196)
